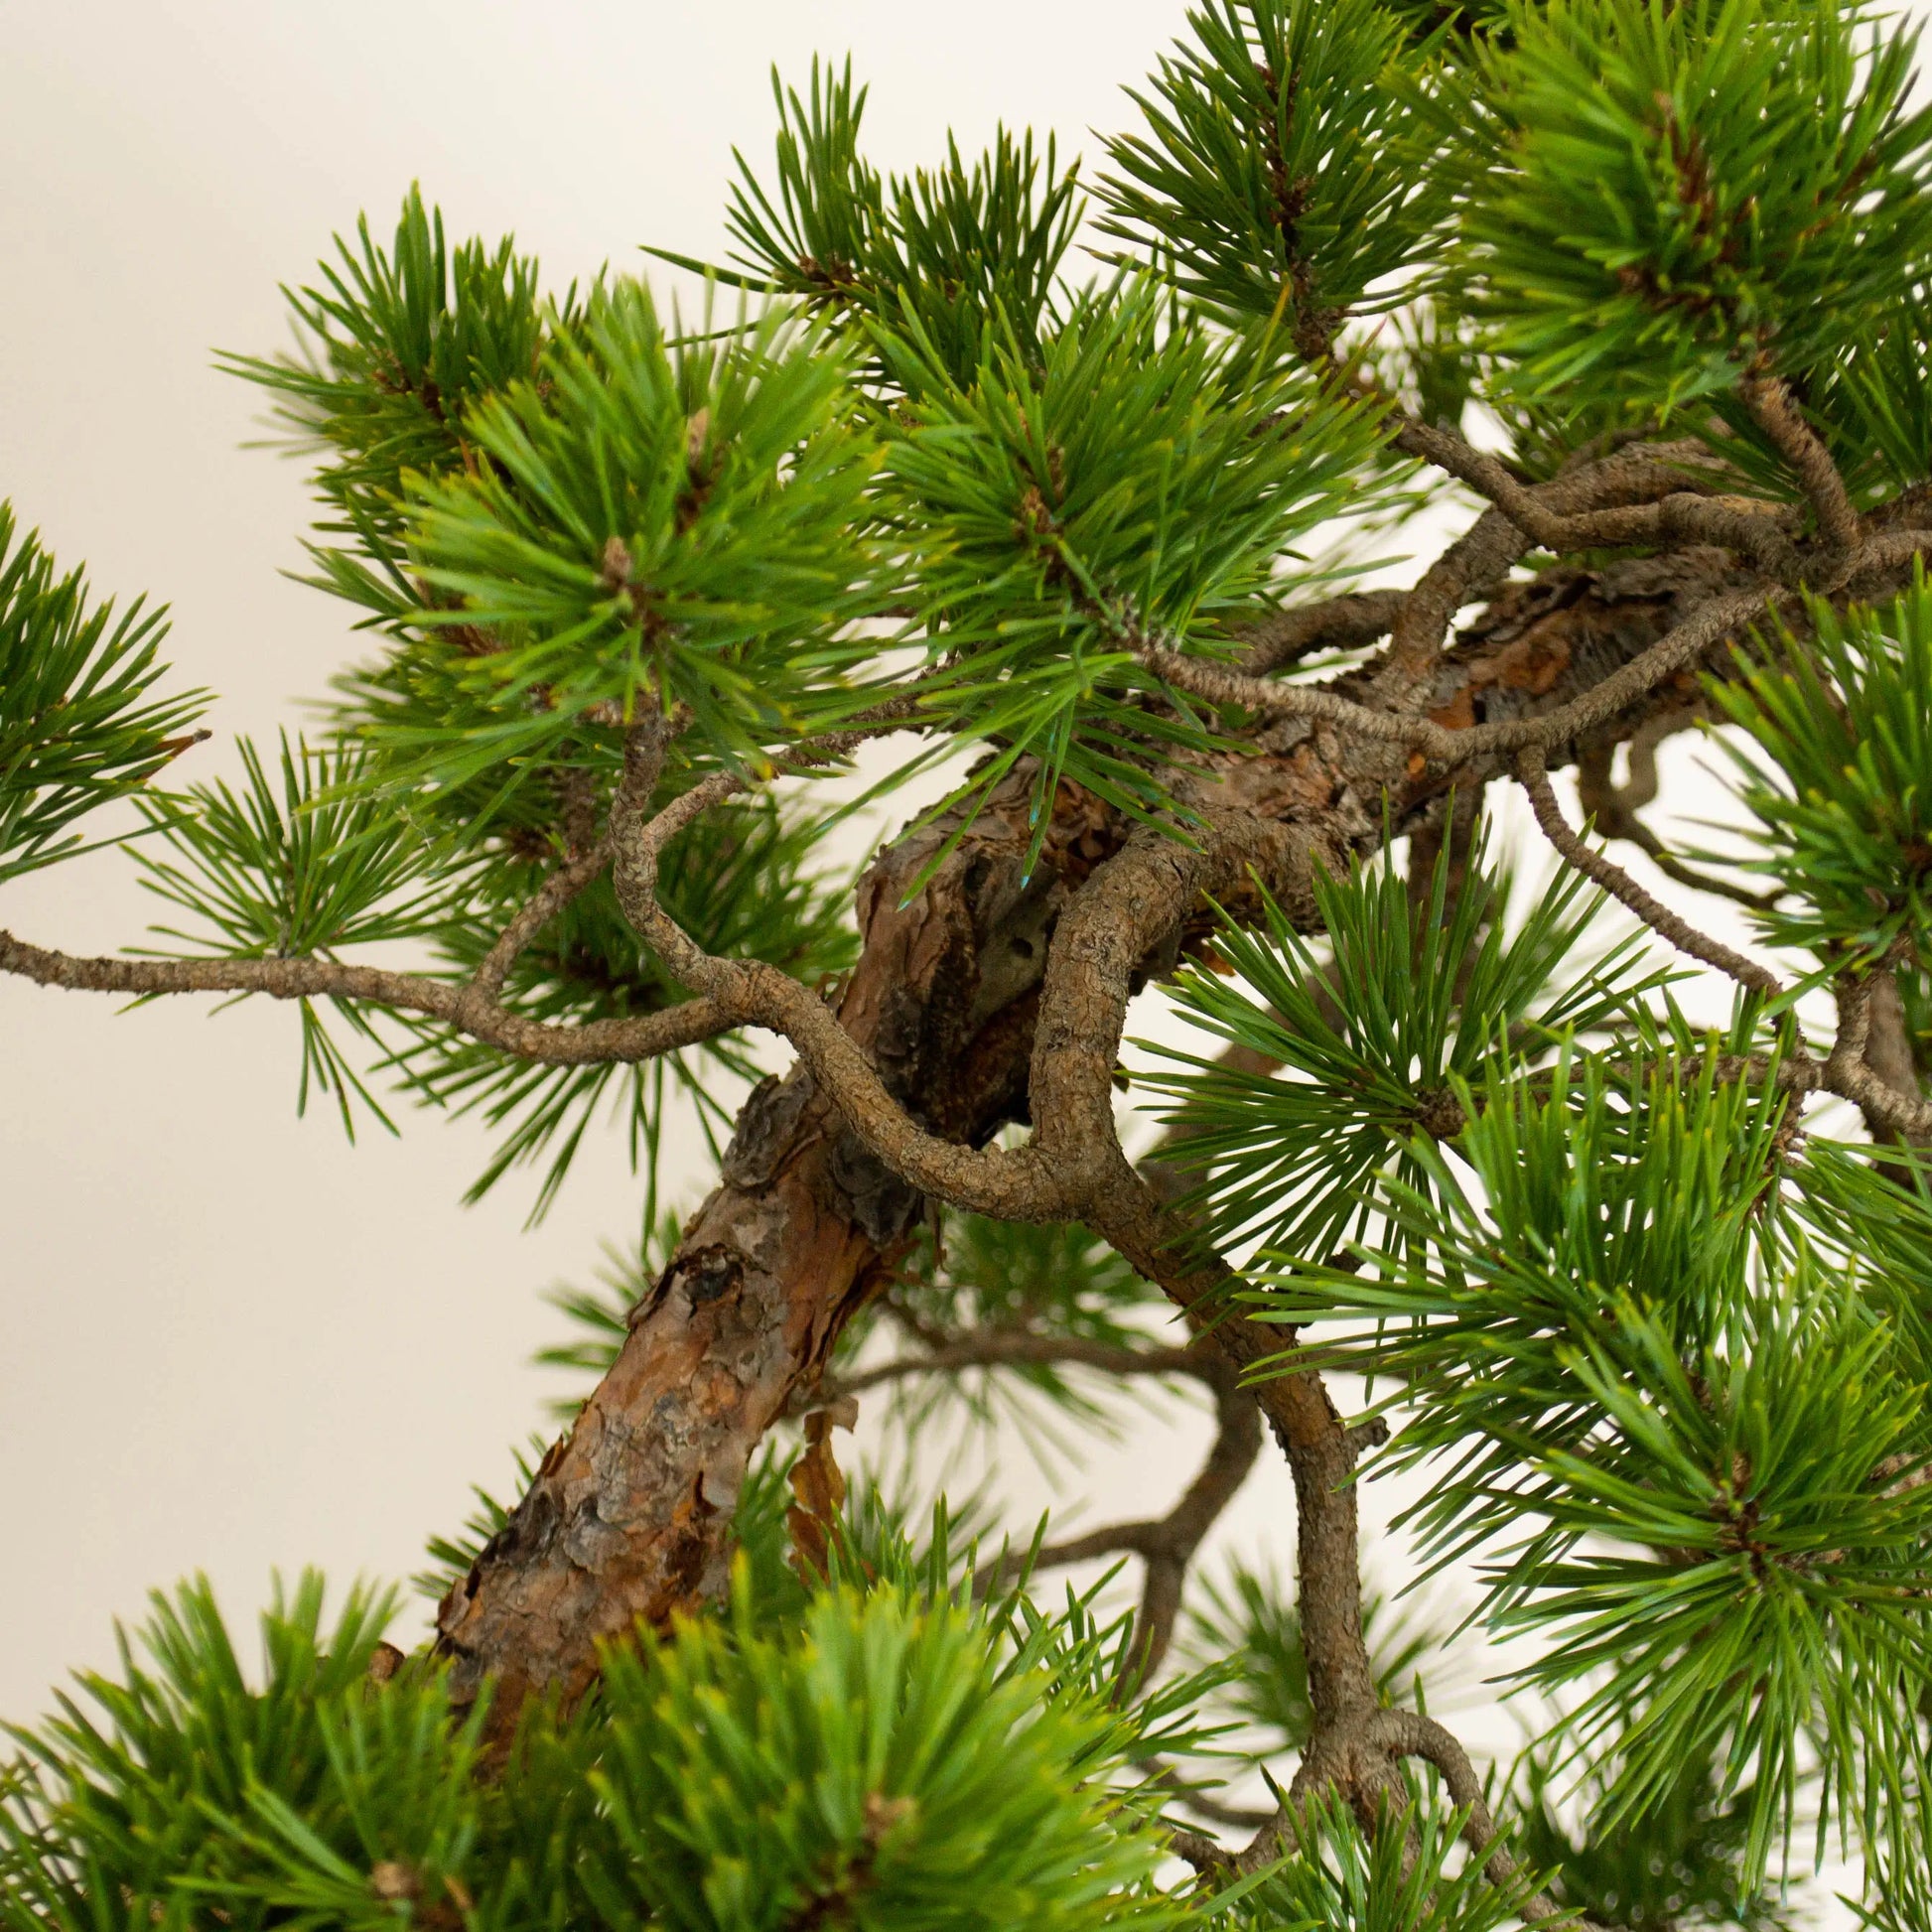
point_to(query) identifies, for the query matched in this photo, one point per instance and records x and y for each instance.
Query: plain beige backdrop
(228, 1340)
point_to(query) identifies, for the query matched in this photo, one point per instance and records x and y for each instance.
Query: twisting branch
(1844, 1072)
(1478, 560)
(1013, 1184)
(1613, 810)
(1778, 416)
(1889, 1050)
(474, 1005)
(1534, 773)
(1407, 1734)
(1680, 516)
(1677, 651)
(1482, 557)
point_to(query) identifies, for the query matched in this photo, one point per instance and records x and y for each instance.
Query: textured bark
(1888, 1052)
(628, 1516)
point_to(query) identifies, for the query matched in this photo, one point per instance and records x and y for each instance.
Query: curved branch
(1132, 906)
(1535, 777)
(456, 1003)
(1614, 810)
(1335, 623)
(1407, 1734)
(1846, 1073)
(1482, 557)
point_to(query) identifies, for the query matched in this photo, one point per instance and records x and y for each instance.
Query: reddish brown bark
(628, 1516)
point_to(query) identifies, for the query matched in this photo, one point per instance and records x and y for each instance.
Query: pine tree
(1065, 491)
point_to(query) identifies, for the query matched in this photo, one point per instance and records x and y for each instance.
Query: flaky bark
(629, 1514)
(994, 995)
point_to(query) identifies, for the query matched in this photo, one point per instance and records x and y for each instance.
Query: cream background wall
(228, 1340)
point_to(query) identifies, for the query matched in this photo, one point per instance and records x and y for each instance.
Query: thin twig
(1337, 623)
(641, 1038)
(1167, 1544)
(1613, 810)
(1245, 1818)
(1534, 774)
(556, 891)
(1008, 1348)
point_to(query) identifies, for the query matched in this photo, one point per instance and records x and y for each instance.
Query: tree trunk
(628, 1516)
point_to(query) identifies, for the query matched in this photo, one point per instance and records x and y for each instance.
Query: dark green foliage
(1898, 1890)
(1676, 1869)
(953, 252)
(81, 724)
(1760, 1597)
(398, 346)
(1659, 1353)
(1873, 1211)
(1608, 1339)
(1048, 1279)
(1281, 176)
(301, 864)
(1840, 778)
(890, 1752)
(1876, 405)
(1600, 1193)
(657, 523)
(882, 1767)
(1136, 489)
(326, 854)
(1417, 992)
(1452, 26)
(190, 1787)
(304, 863)
(1660, 196)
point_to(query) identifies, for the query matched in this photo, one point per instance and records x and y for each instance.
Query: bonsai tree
(1069, 494)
